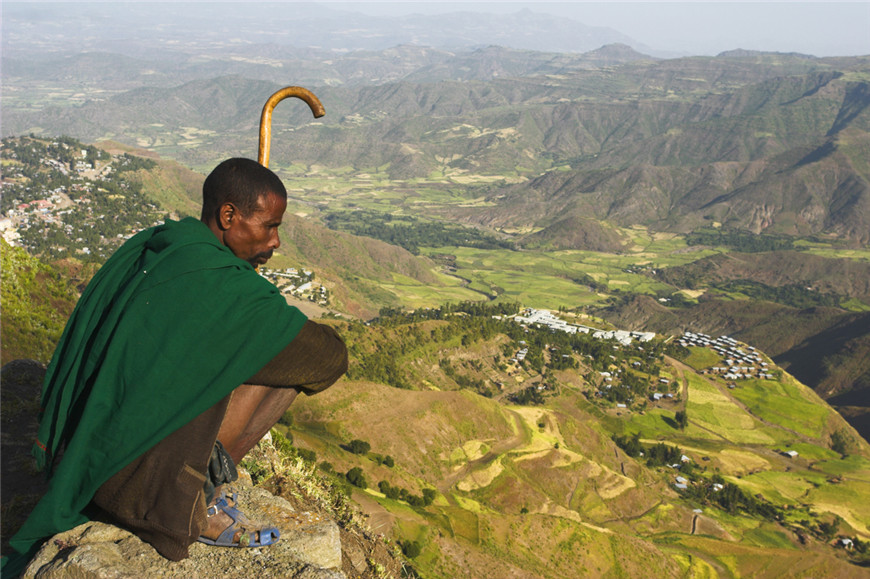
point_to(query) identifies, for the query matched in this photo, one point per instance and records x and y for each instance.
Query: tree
(428, 496)
(829, 530)
(629, 444)
(355, 477)
(682, 419)
(410, 549)
(307, 455)
(358, 446)
(840, 442)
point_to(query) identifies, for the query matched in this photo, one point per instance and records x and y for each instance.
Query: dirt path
(681, 370)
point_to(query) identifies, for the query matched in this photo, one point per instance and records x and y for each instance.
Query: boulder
(309, 548)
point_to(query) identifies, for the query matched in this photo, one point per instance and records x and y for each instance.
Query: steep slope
(37, 300)
(523, 489)
(843, 277)
(358, 267)
(774, 156)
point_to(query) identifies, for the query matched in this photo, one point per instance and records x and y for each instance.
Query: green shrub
(410, 549)
(286, 419)
(283, 444)
(355, 477)
(307, 455)
(358, 446)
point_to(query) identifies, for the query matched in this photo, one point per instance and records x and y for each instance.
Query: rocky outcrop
(310, 548)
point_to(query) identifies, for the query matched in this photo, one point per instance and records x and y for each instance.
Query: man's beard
(260, 258)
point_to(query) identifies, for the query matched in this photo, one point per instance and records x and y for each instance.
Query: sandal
(229, 499)
(266, 535)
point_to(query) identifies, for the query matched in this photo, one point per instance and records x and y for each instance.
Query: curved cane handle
(266, 118)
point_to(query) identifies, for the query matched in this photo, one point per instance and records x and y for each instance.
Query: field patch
(470, 450)
(480, 478)
(740, 462)
(711, 409)
(778, 486)
(853, 467)
(700, 358)
(849, 499)
(784, 404)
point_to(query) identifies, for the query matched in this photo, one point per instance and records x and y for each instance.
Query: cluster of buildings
(297, 283)
(739, 364)
(546, 318)
(32, 205)
(47, 209)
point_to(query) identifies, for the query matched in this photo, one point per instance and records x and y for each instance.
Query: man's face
(255, 237)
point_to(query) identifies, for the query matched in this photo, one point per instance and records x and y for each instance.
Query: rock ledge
(309, 548)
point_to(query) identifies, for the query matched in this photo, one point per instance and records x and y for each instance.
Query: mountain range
(765, 143)
(263, 28)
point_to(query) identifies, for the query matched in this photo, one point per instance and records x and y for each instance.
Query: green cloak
(170, 325)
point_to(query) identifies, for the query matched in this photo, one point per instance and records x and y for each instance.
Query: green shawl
(169, 326)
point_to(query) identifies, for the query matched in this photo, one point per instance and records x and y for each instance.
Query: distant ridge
(742, 53)
(617, 53)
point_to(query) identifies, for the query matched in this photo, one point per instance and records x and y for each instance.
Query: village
(739, 365)
(299, 284)
(739, 361)
(547, 319)
(61, 198)
(57, 196)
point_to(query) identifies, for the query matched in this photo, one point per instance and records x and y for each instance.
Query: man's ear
(227, 214)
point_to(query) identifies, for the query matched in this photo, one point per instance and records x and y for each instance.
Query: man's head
(243, 204)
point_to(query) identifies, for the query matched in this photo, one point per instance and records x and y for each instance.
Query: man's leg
(252, 412)
(311, 363)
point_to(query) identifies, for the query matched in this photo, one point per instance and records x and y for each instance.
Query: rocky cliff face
(313, 544)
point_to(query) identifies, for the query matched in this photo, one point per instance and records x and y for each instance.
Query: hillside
(777, 292)
(822, 346)
(817, 273)
(523, 488)
(360, 269)
(37, 300)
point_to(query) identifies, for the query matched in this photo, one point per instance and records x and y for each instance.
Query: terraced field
(531, 473)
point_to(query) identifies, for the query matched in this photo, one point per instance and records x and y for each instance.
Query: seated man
(178, 358)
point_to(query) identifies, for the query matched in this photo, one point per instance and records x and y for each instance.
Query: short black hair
(241, 182)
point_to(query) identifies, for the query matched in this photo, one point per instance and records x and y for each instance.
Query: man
(177, 359)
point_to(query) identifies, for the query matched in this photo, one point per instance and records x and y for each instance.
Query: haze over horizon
(665, 29)
(689, 27)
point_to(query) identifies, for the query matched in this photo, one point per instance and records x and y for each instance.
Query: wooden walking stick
(266, 117)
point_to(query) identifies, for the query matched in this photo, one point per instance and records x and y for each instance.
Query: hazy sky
(818, 28)
(674, 28)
